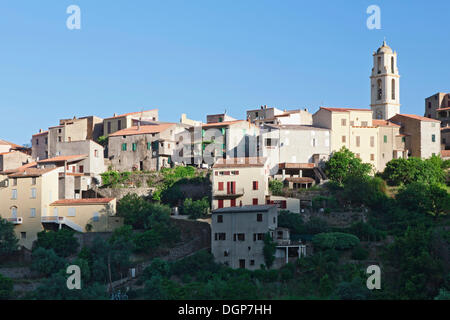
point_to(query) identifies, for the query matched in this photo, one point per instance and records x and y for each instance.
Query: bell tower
(385, 84)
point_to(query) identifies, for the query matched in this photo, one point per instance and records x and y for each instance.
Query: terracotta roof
(5, 153)
(64, 158)
(129, 114)
(240, 162)
(384, 123)
(445, 128)
(30, 172)
(145, 129)
(445, 153)
(343, 109)
(300, 180)
(7, 143)
(416, 117)
(287, 165)
(221, 124)
(442, 109)
(82, 201)
(296, 127)
(40, 133)
(54, 127)
(22, 168)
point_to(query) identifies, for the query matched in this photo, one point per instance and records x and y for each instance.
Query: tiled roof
(30, 172)
(445, 153)
(384, 123)
(64, 158)
(40, 133)
(442, 109)
(240, 162)
(287, 165)
(416, 117)
(344, 109)
(295, 127)
(145, 129)
(300, 180)
(22, 168)
(129, 114)
(82, 201)
(7, 143)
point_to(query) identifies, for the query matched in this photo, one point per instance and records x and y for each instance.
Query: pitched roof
(22, 168)
(64, 158)
(343, 109)
(82, 201)
(442, 109)
(144, 129)
(384, 123)
(40, 133)
(289, 165)
(31, 172)
(129, 114)
(240, 162)
(256, 208)
(7, 143)
(295, 127)
(416, 117)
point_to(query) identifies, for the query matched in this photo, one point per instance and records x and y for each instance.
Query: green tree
(62, 242)
(426, 198)
(8, 240)
(343, 163)
(195, 209)
(276, 187)
(269, 250)
(335, 240)
(46, 261)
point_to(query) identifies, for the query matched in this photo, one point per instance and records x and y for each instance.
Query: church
(381, 133)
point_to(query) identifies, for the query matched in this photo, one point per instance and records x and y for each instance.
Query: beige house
(13, 159)
(438, 107)
(128, 120)
(30, 199)
(353, 129)
(423, 134)
(276, 116)
(391, 143)
(239, 181)
(143, 148)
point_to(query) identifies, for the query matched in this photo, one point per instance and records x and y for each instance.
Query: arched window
(14, 212)
(392, 65)
(393, 89)
(380, 91)
(379, 64)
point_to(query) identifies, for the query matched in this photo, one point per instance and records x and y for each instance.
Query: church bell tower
(385, 84)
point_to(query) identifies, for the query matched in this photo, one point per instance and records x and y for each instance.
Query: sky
(204, 57)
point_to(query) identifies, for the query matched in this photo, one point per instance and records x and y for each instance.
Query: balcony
(61, 221)
(239, 192)
(15, 220)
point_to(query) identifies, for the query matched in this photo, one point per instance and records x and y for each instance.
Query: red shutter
(220, 204)
(283, 204)
(255, 185)
(220, 186)
(228, 187)
(255, 201)
(233, 203)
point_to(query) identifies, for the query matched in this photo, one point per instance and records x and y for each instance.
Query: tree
(269, 250)
(46, 261)
(276, 187)
(195, 209)
(103, 141)
(8, 240)
(364, 190)
(62, 242)
(353, 290)
(335, 240)
(343, 163)
(6, 287)
(426, 198)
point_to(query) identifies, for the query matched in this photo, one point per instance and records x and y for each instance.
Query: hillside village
(263, 195)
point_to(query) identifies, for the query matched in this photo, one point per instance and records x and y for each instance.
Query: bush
(276, 187)
(8, 240)
(359, 253)
(344, 163)
(335, 240)
(6, 287)
(114, 178)
(195, 209)
(62, 242)
(269, 250)
(46, 261)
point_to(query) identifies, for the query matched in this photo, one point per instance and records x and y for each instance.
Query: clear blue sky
(200, 57)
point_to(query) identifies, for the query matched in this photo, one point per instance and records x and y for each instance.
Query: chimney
(40, 130)
(115, 114)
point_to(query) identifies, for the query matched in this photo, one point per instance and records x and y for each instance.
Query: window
(385, 139)
(149, 146)
(109, 127)
(403, 139)
(392, 65)
(242, 263)
(429, 105)
(220, 186)
(364, 123)
(258, 236)
(14, 212)
(239, 237)
(96, 217)
(372, 157)
(33, 193)
(220, 203)
(343, 139)
(343, 122)
(225, 253)
(46, 140)
(220, 236)
(379, 64)
(81, 169)
(433, 138)
(14, 181)
(119, 125)
(252, 262)
(71, 212)
(96, 153)
(33, 212)
(233, 203)
(255, 201)
(393, 89)
(255, 185)
(380, 91)
(220, 218)
(59, 139)
(124, 147)
(23, 235)
(37, 142)
(358, 141)
(372, 142)
(134, 146)
(259, 217)
(14, 194)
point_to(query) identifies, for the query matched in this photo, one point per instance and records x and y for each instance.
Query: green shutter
(124, 147)
(149, 146)
(223, 131)
(433, 138)
(385, 139)
(134, 146)
(203, 133)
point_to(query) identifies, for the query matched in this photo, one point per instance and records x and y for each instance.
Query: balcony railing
(16, 220)
(228, 194)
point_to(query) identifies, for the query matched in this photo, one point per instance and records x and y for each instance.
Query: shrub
(6, 287)
(269, 250)
(195, 209)
(46, 261)
(359, 253)
(62, 242)
(276, 187)
(335, 240)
